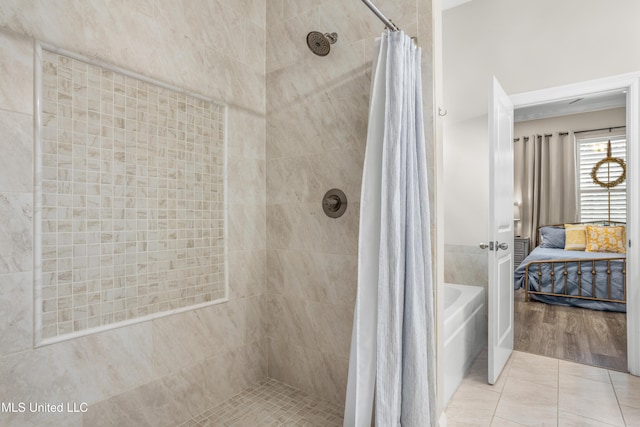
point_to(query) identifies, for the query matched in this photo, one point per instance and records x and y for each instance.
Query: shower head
(319, 43)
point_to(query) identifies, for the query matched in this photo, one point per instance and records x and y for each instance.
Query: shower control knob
(334, 203)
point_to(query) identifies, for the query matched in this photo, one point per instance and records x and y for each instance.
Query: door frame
(631, 83)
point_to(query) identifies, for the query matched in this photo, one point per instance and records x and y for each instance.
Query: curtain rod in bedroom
(578, 131)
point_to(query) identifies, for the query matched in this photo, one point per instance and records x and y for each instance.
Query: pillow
(606, 239)
(552, 237)
(575, 237)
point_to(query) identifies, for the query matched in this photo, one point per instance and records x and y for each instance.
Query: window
(594, 199)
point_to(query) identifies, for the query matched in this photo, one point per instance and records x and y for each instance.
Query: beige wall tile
(42, 20)
(188, 392)
(232, 372)
(307, 178)
(212, 330)
(115, 361)
(246, 180)
(329, 125)
(247, 227)
(286, 42)
(235, 83)
(305, 81)
(327, 278)
(465, 265)
(274, 12)
(246, 133)
(16, 163)
(294, 8)
(247, 272)
(322, 327)
(16, 302)
(172, 43)
(304, 226)
(16, 234)
(16, 66)
(168, 179)
(317, 373)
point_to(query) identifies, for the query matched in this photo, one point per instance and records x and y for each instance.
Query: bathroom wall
(163, 371)
(317, 110)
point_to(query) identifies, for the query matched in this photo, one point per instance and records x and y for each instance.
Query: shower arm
(390, 25)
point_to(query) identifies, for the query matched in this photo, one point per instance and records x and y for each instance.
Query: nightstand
(520, 250)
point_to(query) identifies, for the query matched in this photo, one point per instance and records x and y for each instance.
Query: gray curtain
(545, 181)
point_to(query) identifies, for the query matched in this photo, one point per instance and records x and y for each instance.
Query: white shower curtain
(392, 344)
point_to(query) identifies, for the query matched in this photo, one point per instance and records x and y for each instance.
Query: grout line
(615, 392)
(558, 396)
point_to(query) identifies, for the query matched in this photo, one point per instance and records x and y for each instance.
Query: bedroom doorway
(586, 331)
(601, 325)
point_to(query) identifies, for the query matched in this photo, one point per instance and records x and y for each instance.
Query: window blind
(594, 198)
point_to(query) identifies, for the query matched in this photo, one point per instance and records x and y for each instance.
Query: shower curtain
(391, 366)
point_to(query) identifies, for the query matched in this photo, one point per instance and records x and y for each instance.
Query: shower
(319, 43)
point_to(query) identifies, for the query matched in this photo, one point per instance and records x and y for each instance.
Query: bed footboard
(602, 279)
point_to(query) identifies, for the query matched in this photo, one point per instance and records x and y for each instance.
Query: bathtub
(465, 327)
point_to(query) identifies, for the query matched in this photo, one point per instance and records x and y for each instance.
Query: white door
(500, 229)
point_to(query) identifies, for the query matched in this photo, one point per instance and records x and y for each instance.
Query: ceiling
(583, 104)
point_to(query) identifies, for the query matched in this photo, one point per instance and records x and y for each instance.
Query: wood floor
(590, 337)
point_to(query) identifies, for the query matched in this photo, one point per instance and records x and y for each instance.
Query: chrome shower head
(319, 43)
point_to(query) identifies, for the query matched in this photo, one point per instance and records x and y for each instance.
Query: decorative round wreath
(611, 184)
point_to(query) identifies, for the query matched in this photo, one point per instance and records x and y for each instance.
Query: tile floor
(270, 404)
(539, 391)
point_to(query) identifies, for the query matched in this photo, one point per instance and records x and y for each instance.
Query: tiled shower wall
(163, 371)
(132, 193)
(316, 133)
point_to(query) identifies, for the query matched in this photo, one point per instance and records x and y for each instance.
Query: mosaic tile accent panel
(132, 179)
(270, 404)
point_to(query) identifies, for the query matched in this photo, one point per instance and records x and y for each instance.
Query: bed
(556, 273)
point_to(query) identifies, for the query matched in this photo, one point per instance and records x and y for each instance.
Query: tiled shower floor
(270, 404)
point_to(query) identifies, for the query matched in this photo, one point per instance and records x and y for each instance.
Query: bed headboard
(603, 222)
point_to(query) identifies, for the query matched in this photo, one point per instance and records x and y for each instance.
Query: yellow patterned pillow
(575, 237)
(606, 239)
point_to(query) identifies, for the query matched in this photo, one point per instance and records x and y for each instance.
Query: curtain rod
(390, 25)
(526, 138)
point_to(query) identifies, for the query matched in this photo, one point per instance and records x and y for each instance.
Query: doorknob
(491, 245)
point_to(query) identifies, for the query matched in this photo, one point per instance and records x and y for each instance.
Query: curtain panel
(545, 181)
